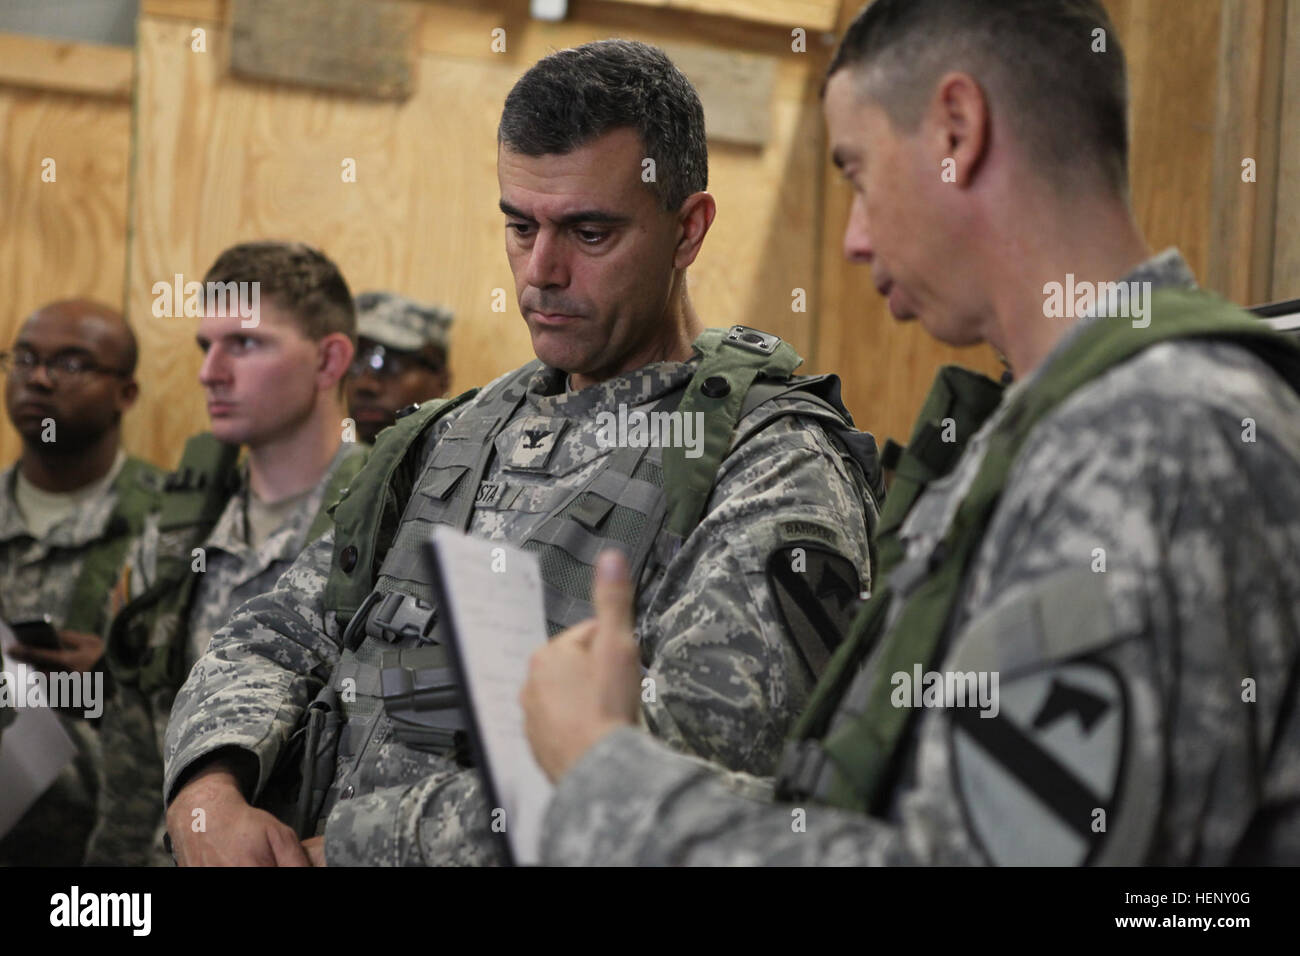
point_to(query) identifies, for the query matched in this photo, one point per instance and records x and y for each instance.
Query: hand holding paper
(585, 682)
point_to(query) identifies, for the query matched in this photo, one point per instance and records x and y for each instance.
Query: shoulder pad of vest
(204, 461)
(743, 347)
(816, 396)
(412, 420)
(821, 392)
(137, 486)
(730, 363)
(197, 491)
(336, 489)
(138, 473)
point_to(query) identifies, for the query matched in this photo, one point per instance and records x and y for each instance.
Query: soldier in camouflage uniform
(401, 359)
(71, 508)
(1134, 585)
(599, 262)
(266, 391)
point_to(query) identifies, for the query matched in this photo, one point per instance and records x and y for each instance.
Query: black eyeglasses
(385, 363)
(64, 367)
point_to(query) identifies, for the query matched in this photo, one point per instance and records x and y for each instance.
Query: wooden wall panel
(71, 67)
(222, 160)
(68, 237)
(1172, 51)
(1247, 102)
(810, 14)
(1286, 250)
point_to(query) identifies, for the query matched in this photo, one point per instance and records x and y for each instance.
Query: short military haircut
(574, 96)
(1035, 60)
(296, 278)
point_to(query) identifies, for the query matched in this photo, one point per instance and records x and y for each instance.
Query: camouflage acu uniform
(129, 828)
(728, 681)
(1158, 687)
(38, 577)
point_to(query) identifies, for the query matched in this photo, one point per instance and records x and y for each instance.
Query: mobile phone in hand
(37, 633)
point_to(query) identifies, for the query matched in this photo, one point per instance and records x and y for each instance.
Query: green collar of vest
(859, 757)
(730, 361)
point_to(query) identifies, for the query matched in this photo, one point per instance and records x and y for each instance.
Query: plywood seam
(66, 66)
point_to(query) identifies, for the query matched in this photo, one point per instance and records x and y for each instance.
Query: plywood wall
(1172, 51)
(220, 160)
(67, 237)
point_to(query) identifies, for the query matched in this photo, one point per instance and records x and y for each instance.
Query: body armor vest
(848, 747)
(136, 487)
(393, 696)
(145, 644)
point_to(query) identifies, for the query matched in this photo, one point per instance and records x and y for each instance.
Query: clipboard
(493, 614)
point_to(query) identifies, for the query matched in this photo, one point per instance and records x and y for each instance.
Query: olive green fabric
(367, 514)
(688, 482)
(860, 753)
(136, 487)
(192, 500)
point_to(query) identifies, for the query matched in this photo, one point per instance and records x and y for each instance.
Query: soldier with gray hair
(401, 360)
(749, 555)
(1114, 537)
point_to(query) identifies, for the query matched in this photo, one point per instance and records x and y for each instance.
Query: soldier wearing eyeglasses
(72, 505)
(401, 359)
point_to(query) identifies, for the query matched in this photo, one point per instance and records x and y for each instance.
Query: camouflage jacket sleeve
(261, 671)
(784, 536)
(129, 804)
(1134, 595)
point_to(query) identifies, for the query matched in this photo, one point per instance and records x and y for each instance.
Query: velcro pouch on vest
(422, 699)
(730, 361)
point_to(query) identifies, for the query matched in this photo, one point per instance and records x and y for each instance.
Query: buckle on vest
(742, 336)
(801, 766)
(399, 616)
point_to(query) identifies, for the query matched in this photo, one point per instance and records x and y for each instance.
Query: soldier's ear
(333, 357)
(127, 393)
(958, 127)
(694, 218)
